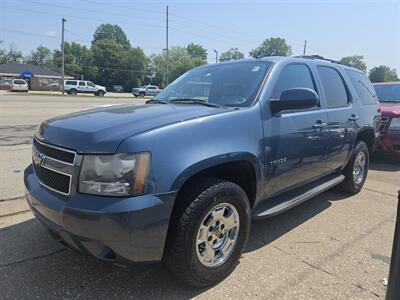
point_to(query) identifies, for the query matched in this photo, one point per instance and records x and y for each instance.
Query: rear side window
(335, 90)
(82, 83)
(363, 86)
(70, 82)
(293, 76)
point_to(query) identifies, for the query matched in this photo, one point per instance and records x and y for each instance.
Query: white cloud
(50, 33)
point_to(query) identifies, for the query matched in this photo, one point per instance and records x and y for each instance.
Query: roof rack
(322, 58)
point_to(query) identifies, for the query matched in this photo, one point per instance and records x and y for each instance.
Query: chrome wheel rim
(359, 168)
(217, 235)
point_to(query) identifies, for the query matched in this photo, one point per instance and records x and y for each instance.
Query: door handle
(319, 124)
(354, 118)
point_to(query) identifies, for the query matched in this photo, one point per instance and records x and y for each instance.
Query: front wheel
(100, 93)
(356, 169)
(141, 94)
(206, 241)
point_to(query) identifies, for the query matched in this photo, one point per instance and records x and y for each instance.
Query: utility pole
(216, 56)
(62, 54)
(167, 67)
(305, 47)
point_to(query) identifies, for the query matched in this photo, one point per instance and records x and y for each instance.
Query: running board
(280, 204)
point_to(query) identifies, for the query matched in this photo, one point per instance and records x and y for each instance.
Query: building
(38, 78)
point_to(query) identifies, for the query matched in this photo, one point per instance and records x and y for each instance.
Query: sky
(333, 29)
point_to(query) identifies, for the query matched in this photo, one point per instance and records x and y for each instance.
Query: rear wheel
(73, 91)
(207, 239)
(356, 169)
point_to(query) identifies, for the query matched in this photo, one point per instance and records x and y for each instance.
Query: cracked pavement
(331, 247)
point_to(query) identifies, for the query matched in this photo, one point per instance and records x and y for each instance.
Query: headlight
(395, 124)
(114, 175)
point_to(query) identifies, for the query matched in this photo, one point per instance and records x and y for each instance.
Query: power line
(90, 10)
(78, 17)
(29, 33)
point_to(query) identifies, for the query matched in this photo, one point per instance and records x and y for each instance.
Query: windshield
(234, 84)
(388, 92)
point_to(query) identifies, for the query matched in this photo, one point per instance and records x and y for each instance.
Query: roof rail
(322, 58)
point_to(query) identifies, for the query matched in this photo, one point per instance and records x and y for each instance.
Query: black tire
(100, 93)
(350, 184)
(141, 94)
(181, 251)
(73, 92)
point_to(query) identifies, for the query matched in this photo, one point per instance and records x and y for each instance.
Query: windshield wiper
(156, 101)
(194, 101)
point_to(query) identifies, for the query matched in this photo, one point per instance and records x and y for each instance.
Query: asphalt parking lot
(331, 247)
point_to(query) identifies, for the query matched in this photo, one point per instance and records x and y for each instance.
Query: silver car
(146, 90)
(19, 85)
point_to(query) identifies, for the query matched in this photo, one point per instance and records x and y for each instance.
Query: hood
(101, 130)
(100, 87)
(390, 108)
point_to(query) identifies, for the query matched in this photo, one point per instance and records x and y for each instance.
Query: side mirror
(297, 98)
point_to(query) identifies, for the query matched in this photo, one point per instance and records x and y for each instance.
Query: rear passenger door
(342, 118)
(82, 86)
(295, 141)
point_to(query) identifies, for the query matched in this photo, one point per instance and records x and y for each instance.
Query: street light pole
(216, 56)
(63, 20)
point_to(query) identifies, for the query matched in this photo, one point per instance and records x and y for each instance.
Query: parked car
(19, 85)
(146, 90)
(389, 97)
(73, 87)
(179, 178)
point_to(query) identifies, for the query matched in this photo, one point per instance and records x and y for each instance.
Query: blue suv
(180, 178)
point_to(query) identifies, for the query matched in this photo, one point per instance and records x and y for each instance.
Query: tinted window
(90, 84)
(70, 82)
(19, 81)
(335, 90)
(293, 76)
(151, 88)
(388, 92)
(81, 83)
(231, 84)
(363, 86)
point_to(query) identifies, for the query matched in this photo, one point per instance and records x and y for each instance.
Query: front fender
(215, 161)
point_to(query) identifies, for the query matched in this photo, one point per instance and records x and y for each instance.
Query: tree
(42, 56)
(12, 55)
(2, 53)
(180, 61)
(382, 74)
(196, 51)
(78, 61)
(356, 61)
(111, 32)
(118, 65)
(231, 54)
(272, 47)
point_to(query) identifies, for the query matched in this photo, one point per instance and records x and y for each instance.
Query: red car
(389, 96)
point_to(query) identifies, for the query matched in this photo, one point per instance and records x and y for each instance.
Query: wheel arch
(241, 168)
(367, 135)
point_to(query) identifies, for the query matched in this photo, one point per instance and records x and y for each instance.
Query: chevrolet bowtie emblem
(38, 158)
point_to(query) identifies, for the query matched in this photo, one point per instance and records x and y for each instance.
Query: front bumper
(115, 229)
(390, 142)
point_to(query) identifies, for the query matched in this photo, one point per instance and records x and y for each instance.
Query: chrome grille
(53, 166)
